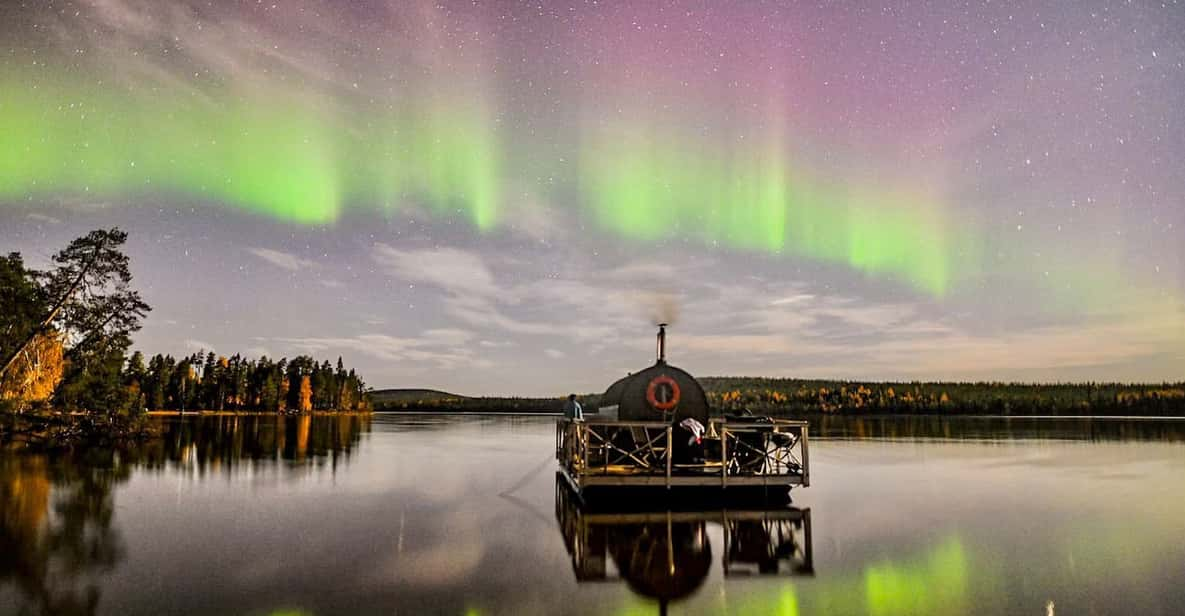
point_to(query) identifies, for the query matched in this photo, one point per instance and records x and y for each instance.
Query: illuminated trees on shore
(36, 373)
(212, 383)
(65, 335)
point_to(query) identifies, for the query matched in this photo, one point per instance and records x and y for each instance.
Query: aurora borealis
(909, 190)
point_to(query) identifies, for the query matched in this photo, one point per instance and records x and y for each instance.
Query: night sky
(502, 197)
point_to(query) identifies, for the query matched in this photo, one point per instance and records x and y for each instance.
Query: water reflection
(970, 428)
(667, 555)
(432, 515)
(56, 530)
(222, 443)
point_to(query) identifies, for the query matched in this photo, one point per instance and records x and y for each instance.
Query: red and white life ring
(653, 393)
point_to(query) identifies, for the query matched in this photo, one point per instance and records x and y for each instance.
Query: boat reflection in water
(666, 555)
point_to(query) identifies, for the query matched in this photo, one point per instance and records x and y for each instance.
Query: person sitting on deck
(572, 409)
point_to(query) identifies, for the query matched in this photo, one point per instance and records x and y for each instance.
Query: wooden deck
(737, 454)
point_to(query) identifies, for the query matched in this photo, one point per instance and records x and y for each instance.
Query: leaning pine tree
(85, 304)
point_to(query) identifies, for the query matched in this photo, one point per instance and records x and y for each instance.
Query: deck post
(583, 447)
(724, 456)
(806, 462)
(669, 456)
(607, 438)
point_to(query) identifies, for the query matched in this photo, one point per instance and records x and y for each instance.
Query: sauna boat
(653, 437)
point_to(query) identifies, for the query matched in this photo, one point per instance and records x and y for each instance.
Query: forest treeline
(431, 401)
(65, 336)
(788, 397)
(801, 397)
(237, 384)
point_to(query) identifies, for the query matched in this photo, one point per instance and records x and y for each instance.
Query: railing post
(605, 440)
(669, 456)
(806, 461)
(583, 447)
(724, 456)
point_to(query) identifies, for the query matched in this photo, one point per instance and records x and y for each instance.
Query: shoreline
(841, 415)
(261, 413)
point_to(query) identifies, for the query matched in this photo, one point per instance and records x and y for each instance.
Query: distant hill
(383, 397)
(795, 397)
(434, 400)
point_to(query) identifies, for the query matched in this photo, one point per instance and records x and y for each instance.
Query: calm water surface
(461, 515)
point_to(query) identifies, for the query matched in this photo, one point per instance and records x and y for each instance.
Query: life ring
(652, 393)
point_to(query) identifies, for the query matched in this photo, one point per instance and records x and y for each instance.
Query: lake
(423, 514)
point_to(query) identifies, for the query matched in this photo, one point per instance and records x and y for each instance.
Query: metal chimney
(662, 343)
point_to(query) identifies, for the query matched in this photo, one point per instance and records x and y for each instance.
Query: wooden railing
(736, 451)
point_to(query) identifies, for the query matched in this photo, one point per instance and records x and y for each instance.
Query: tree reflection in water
(223, 443)
(57, 536)
(56, 532)
(666, 555)
(995, 428)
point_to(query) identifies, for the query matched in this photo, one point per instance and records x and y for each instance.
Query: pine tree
(134, 377)
(305, 398)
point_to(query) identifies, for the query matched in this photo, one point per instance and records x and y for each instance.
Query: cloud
(449, 269)
(43, 218)
(1127, 335)
(472, 295)
(447, 336)
(442, 348)
(198, 346)
(792, 299)
(534, 219)
(219, 39)
(283, 260)
(82, 205)
(840, 337)
(481, 312)
(749, 325)
(643, 271)
(256, 352)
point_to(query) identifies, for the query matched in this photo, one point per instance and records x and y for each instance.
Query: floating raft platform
(736, 459)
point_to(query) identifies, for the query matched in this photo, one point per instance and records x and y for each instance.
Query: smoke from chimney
(664, 308)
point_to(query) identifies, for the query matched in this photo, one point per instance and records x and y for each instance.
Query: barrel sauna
(661, 392)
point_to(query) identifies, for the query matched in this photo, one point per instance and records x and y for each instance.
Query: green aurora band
(936, 581)
(305, 160)
(292, 162)
(751, 200)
